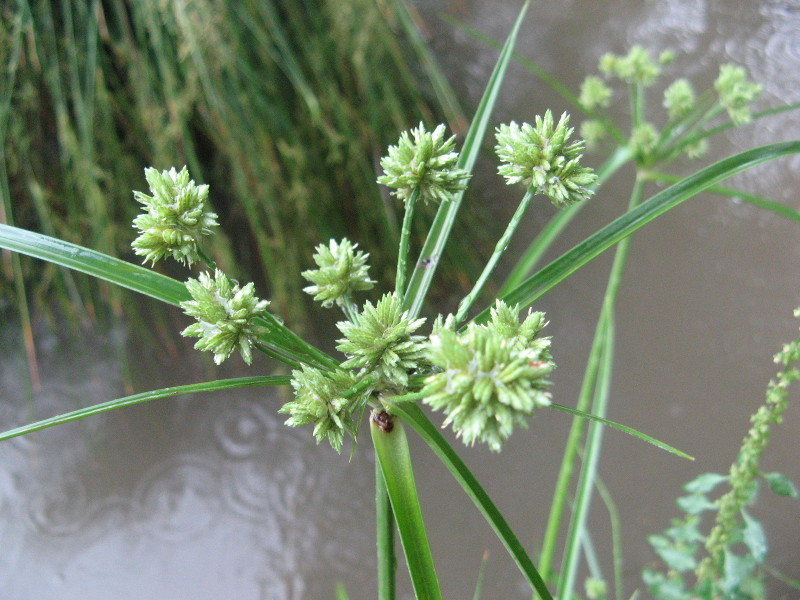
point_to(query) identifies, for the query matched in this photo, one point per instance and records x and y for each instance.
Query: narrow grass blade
(391, 450)
(481, 573)
(445, 217)
(96, 264)
(624, 428)
(546, 279)
(181, 390)
(422, 425)
(139, 279)
(441, 86)
(776, 207)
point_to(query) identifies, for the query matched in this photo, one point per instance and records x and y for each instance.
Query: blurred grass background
(284, 107)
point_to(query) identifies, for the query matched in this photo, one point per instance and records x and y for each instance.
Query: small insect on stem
(427, 263)
(383, 420)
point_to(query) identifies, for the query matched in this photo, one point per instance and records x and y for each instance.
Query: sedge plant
(484, 374)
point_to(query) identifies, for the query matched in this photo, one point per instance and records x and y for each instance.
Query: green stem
(206, 260)
(501, 246)
(587, 388)
(542, 242)
(616, 535)
(276, 354)
(405, 236)
(391, 450)
(580, 511)
(637, 104)
(387, 561)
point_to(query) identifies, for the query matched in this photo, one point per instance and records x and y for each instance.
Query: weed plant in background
(482, 373)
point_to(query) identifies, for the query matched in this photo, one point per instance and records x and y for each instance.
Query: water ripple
(179, 498)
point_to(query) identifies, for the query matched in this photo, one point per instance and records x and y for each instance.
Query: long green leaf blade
(181, 390)
(546, 279)
(142, 280)
(422, 425)
(776, 207)
(96, 264)
(624, 428)
(445, 217)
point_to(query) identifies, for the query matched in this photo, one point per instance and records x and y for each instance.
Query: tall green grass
(284, 107)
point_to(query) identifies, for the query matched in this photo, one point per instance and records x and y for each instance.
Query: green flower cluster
(380, 341)
(636, 67)
(540, 157)
(226, 316)
(490, 377)
(175, 217)
(321, 399)
(341, 272)
(736, 93)
(427, 164)
(679, 99)
(594, 93)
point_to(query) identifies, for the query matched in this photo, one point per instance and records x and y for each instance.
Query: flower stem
(593, 373)
(206, 259)
(391, 450)
(405, 236)
(387, 561)
(501, 246)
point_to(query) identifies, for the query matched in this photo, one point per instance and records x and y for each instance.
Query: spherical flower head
(341, 272)
(226, 316)
(679, 99)
(594, 93)
(381, 341)
(486, 383)
(319, 399)
(424, 161)
(644, 138)
(175, 217)
(696, 149)
(593, 131)
(540, 157)
(736, 93)
(637, 67)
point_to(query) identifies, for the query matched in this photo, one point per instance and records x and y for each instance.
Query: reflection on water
(192, 497)
(212, 497)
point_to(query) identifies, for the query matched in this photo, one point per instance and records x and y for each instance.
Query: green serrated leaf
(737, 570)
(677, 558)
(663, 588)
(704, 483)
(694, 504)
(754, 538)
(781, 485)
(685, 531)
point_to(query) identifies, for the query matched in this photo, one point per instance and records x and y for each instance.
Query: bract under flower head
(381, 341)
(427, 164)
(175, 217)
(341, 272)
(226, 316)
(540, 157)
